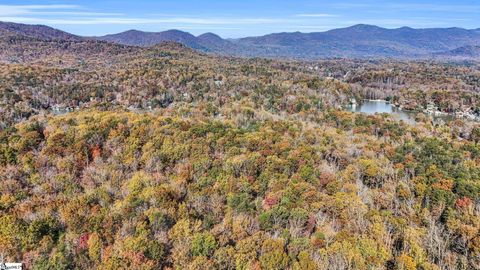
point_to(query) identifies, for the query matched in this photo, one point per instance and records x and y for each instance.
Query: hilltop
(36, 32)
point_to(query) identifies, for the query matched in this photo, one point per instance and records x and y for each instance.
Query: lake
(381, 106)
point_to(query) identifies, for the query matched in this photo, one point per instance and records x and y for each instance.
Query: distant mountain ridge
(365, 41)
(467, 52)
(358, 41)
(36, 31)
(147, 39)
(21, 43)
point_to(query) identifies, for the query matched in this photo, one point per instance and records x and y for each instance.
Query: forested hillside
(248, 190)
(120, 157)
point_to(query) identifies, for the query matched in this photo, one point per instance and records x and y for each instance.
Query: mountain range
(359, 41)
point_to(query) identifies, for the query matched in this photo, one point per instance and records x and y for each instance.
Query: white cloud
(318, 15)
(12, 10)
(116, 20)
(76, 15)
(45, 10)
(437, 7)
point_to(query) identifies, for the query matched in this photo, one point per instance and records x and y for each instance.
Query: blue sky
(238, 18)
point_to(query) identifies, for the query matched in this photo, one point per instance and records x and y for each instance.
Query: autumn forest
(163, 157)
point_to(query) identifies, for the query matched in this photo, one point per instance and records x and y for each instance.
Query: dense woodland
(172, 159)
(43, 76)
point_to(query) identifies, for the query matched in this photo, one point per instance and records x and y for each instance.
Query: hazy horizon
(235, 20)
(201, 33)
